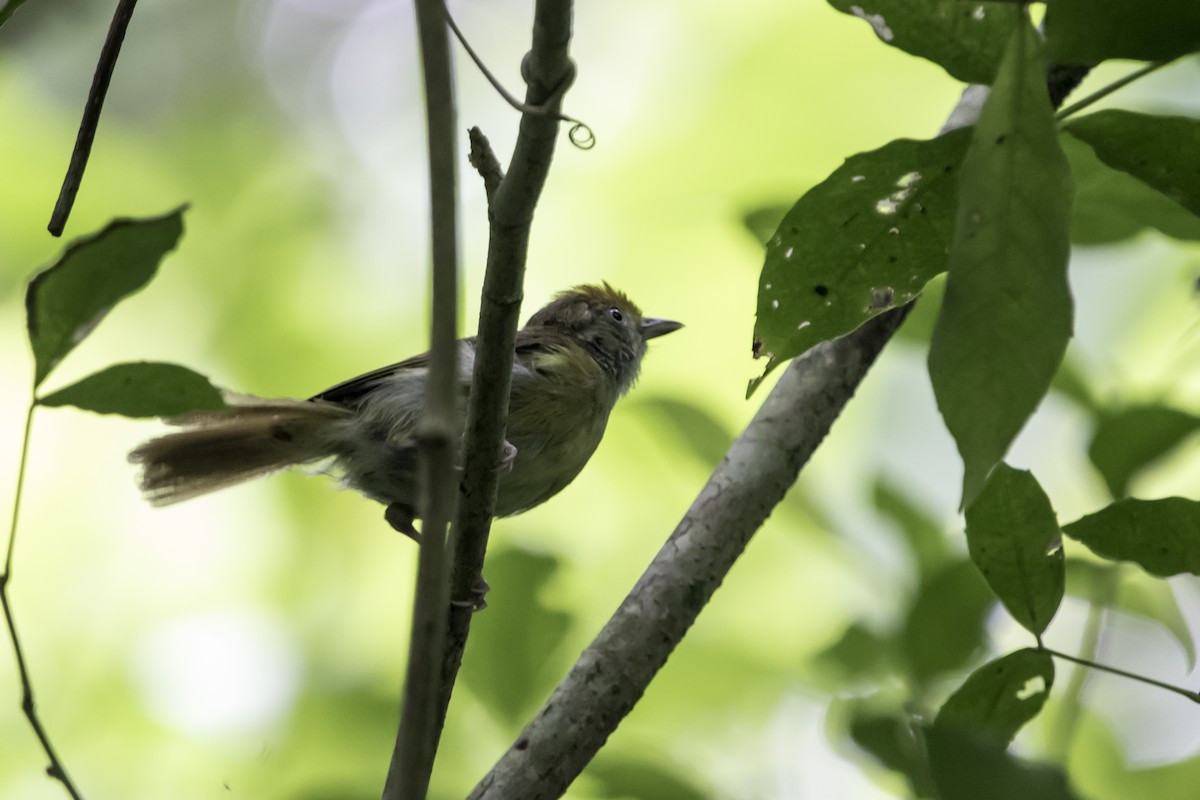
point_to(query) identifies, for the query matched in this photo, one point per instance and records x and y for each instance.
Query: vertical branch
(548, 72)
(438, 431)
(91, 115)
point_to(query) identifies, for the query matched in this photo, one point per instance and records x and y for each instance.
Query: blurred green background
(252, 644)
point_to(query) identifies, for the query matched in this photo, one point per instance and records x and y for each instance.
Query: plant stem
(1179, 690)
(1109, 89)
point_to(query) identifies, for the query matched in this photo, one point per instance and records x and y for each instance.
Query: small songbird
(573, 360)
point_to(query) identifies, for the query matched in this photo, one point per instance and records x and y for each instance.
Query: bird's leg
(477, 599)
(400, 517)
(508, 456)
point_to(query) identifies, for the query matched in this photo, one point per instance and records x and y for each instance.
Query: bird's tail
(216, 449)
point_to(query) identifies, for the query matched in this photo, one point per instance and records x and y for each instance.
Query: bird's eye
(616, 314)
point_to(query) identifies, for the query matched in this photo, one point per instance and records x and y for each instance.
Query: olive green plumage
(574, 359)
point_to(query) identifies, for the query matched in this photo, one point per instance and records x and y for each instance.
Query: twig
(547, 68)
(484, 160)
(1133, 676)
(439, 430)
(1105, 91)
(56, 769)
(91, 115)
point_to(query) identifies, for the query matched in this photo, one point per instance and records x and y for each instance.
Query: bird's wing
(349, 392)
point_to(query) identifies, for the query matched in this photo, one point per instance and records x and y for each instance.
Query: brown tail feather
(221, 449)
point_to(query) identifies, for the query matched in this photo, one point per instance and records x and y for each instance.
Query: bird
(573, 360)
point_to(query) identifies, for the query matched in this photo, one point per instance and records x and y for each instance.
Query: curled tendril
(580, 134)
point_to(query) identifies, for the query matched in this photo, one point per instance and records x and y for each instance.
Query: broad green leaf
(1111, 205)
(1006, 316)
(1131, 439)
(1162, 536)
(1014, 539)
(1132, 592)
(1163, 152)
(890, 738)
(1090, 31)
(68, 298)
(1002, 695)
(924, 536)
(944, 627)
(696, 429)
(967, 40)
(866, 239)
(967, 766)
(513, 644)
(142, 389)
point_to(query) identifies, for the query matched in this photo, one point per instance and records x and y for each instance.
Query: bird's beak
(659, 327)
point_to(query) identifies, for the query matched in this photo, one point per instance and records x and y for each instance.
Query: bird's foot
(400, 517)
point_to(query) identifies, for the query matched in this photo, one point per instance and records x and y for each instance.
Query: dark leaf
(67, 299)
(1014, 539)
(890, 738)
(1001, 696)
(513, 644)
(762, 222)
(866, 239)
(1131, 439)
(1006, 316)
(1111, 205)
(944, 627)
(1163, 152)
(1162, 536)
(968, 766)
(1090, 31)
(142, 389)
(965, 40)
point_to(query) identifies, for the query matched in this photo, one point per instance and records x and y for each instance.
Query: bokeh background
(252, 644)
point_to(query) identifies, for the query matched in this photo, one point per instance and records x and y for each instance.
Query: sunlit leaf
(1014, 539)
(1161, 151)
(1162, 536)
(965, 40)
(924, 536)
(67, 299)
(1002, 695)
(1090, 31)
(142, 389)
(944, 627)
(1132, 592)
(514, 642)
(1131, 439)
(1006, 315)
(866, 239)
(970, 766)
(1111, 205)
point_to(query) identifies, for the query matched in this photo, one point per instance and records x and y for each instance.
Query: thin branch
(91, 115)
(484, 160)
(55, 769)
(439, 430)
(1133, 676)
(1105, 91)
(547, 69)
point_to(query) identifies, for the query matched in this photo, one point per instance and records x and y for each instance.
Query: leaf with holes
(1006, 316)
(142, 389)
(66, 300)
(1162, 536)
(1014, 539)
(1002, 695)
(1090, 31)
(866, 239)
(965, 40)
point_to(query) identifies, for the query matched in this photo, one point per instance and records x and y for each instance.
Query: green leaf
(1002, 695)
(1131, 439)
(944, 627)
(1014, 539)
(1090, 31)
(68, 298)
(860, 655)
(967, 766)
(142, 389)
(1161, 151)
(924, 536)
(628, 776)
(1111, 205)
(965, 40)
(510, 660)
(890, 738)
(1132, 592)
(866, 239)
(1162, 536)
(761, 222)
(1006, 316)
(695, 428)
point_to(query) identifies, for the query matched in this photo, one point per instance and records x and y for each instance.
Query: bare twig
(91, 115)
(484, 160)
(55, 769)
(1133, 676)
(439, 429)
(547, 69)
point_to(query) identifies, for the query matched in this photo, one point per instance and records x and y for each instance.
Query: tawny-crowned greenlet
(573, 360)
